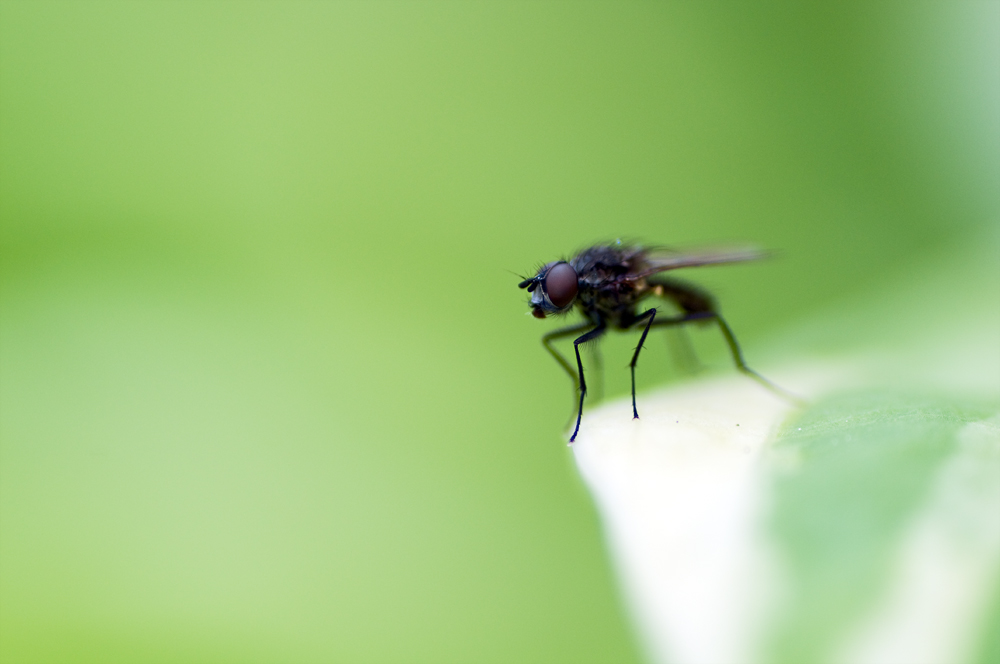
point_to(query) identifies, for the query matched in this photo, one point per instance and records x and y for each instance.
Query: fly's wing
(661, 260)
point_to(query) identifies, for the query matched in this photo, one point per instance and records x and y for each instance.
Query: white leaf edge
(683, 493)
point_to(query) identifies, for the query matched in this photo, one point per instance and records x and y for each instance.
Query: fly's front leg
(650, 314)
(589, 336)
(562, 333)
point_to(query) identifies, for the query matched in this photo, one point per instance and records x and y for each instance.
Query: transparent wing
(662, 259)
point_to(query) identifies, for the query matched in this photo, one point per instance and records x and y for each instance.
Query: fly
(607, 283)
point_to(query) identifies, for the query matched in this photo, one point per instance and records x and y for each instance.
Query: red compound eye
(560, 285)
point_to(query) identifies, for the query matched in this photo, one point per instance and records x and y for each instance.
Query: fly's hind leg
(734, 349)
(699, 306)
(688, 299)
(682, 353)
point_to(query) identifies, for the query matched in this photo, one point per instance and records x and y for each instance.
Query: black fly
(607, 283)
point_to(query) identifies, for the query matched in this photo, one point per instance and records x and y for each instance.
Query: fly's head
(553, 290)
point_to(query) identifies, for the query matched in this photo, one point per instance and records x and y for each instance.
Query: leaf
(867, 466)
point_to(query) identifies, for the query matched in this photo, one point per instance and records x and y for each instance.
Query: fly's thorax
(616, 298)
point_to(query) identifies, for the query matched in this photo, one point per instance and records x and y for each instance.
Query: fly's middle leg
(651, 315)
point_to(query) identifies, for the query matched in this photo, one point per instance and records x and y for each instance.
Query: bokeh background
(267, 387)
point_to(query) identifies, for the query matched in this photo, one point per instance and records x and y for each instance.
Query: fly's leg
(650, 314)
(597, 360)
(699, 306)
(741, 364)
(734, 348)
(589, 336)
(682, 351)
(562, 333)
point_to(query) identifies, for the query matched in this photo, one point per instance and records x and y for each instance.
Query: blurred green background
(267, 387)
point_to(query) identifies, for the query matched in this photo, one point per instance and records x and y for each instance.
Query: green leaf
(865, 465)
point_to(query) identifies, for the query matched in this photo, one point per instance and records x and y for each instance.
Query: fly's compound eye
(560, 284)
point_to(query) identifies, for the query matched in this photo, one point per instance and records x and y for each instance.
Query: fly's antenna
(531, 283)
(526, 282)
